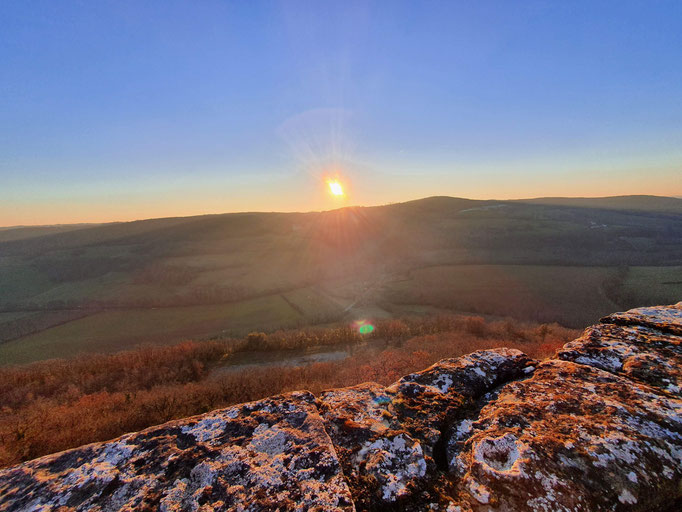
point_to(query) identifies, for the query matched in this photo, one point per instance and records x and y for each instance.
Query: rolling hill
(111, 286)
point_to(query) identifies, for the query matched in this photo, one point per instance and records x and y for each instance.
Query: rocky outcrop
(598, 427)
(266, 455)
(392, 440)
(573, 437)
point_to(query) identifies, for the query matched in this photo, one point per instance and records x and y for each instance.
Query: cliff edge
(598, 427)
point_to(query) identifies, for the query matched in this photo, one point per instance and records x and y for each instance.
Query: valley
(117, 286)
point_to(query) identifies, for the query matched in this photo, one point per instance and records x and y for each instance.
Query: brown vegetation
(54, 405)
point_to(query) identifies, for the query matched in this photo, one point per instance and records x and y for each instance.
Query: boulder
(662, 318)
(573, 437)
(428, 402)
(391, 440)
(640, 353)
(273, 454)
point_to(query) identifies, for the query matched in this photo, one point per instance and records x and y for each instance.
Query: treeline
(394, 330)
(54, 405)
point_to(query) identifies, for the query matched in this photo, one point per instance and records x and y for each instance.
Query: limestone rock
(428, 402)
(363, 427)
(386, 437)
(640, 353)
(663, 318)
(573, 437)
(273, 454)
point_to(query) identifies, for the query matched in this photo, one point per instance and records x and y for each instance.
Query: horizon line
(102, 223)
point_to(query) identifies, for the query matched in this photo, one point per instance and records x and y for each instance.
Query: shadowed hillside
(632, 203)
(114, 286)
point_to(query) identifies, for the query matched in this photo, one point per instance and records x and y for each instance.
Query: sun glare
(335, 188)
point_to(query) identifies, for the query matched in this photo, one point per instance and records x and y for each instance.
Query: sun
(335, 188)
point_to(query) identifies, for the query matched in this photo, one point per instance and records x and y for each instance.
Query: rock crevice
(598, 427)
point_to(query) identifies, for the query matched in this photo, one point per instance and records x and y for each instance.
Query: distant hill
(111, 286)
(22, 232)
(632, 203)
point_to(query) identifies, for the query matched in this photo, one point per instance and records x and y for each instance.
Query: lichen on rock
(572, 436)
(663, 318)
(265, 455)
(640, 353)
(389, 439)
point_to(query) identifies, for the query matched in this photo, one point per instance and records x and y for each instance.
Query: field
(110, 331)
(67, 290)
(572, 296)
(568, 295)
(314, 306)
(659, 285)
(9, 317)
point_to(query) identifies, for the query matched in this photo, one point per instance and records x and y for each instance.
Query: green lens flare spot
(366, 329)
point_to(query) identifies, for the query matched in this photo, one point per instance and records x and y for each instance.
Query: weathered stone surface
(640, 353)
(380, 459)
(573, 437)
(597, 428)
(663, 318)
(428, 402)
(386, 437)
(273, 454)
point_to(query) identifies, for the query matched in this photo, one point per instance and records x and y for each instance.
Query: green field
(655, 285)
(316, 307)
(119, 330)
(8, 317)
(573, 296)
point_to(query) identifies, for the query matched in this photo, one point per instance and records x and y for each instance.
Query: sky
(121, 110)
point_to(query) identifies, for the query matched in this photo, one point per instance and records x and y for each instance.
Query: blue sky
(124, 109)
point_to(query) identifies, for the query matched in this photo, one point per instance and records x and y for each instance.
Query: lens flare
(364, 327)
(335, 188)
